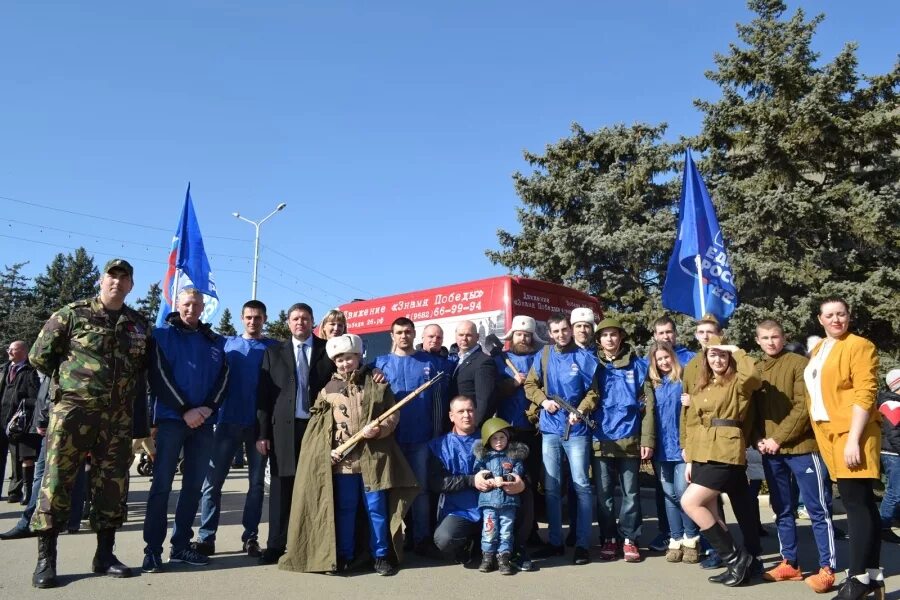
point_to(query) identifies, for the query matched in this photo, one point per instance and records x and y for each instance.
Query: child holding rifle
(332, 481)
(498, 457)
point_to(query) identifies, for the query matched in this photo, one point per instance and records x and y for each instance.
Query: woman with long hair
(716, 448)
(333, 324)
(841, 379)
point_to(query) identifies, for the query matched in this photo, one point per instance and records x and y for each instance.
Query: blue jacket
(404, 374)
(505, 462)
(618, 384)
(452, 473)
(244, 358)
(668, 415)
(569, 375)
(512, 408)
(187, 369)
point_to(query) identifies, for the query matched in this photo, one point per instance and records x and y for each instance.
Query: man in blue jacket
(565, 371)
(405, 369)
(188, 377)
(236, 428)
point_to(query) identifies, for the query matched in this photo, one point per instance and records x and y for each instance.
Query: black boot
(45, 571)
(28, 478)
(488, 562)
(737, 560)
(105, 562)
(503, 564)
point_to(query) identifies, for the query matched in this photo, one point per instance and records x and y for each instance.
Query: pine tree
(278, 329)
(225, 327)
(68, 278)
(18, 318)
(149, 304)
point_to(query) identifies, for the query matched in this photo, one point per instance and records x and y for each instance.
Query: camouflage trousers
(77, 429)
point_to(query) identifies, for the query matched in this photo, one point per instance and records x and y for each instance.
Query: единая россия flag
(699, 248)
(188, 266)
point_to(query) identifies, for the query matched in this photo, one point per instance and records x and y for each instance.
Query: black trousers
(281, 489)
(864, 523)
(15, 465)
(453, 533)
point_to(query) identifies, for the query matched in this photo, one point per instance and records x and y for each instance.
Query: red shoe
(630, 551)
(608, 550)
(785, 572)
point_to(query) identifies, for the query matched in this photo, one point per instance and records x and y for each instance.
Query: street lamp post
(257, 224)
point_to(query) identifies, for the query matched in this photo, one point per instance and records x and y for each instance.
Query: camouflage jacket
(93, 361)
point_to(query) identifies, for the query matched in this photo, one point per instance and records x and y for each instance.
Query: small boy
(372, 473)
(498, 458)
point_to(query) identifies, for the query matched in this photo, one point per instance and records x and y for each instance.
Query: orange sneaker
(822, 581)
(784, 572)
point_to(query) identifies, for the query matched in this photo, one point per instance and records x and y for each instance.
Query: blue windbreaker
(187, 369)
(244, 358)
(455, 454)
(404, 374)
(569, 375)
(512, 409)
(668, 414)
(618, 412)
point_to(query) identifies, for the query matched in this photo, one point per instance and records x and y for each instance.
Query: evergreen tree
(278, 329)
(149, 304)
(803, 165)
(68, 278)
(18, 318)
(225, 327)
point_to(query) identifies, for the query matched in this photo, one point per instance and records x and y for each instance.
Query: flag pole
(699, 262)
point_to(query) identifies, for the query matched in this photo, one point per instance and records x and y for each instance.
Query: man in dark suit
(474, 374)
(291, 377)
(18, 384)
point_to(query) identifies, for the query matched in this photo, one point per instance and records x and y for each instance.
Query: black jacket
(26, 384)
(474, 378)
(890, 435)
(276, 401)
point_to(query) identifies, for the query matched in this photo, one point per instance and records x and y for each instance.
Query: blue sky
(390, 129)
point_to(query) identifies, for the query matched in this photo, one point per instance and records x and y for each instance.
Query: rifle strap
(545, 359)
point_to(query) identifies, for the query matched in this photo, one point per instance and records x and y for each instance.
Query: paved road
(233, 576)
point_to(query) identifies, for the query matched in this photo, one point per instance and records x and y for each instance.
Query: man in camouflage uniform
(95, 350)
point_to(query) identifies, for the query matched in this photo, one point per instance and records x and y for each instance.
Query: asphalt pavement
(232, 575)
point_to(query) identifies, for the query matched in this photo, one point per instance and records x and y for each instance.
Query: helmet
(492, 426)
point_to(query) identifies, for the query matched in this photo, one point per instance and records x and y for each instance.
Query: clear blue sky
(390, 129)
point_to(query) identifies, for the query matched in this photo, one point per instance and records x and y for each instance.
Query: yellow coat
(849, 377)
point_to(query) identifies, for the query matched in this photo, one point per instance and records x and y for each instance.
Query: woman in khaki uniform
(715, 451)
(841, 379)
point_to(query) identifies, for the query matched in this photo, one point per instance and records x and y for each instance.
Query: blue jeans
(577, 450)
(230, 437)
(890, 464)
(171, 437)
(497, 528)
(417, 456)
(630, 517)
(670, 475)
(348, 491)
(812, 478)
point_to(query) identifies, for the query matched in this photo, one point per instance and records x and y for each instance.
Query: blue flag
(699, 235)
(188, 266)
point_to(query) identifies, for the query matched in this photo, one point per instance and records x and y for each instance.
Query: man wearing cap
(405, 369)
(474, 374)
(583, 329)
(623, 437)
(95, 351)
(889, 406)
(563, 370)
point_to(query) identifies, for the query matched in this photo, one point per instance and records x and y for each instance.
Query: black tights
(864, 524)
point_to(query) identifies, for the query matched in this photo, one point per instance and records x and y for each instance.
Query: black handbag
(18, 424)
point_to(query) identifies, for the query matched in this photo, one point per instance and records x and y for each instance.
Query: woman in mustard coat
(841, 379)
(715, 450)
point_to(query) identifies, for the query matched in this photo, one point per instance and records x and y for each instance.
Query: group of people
(449, 455)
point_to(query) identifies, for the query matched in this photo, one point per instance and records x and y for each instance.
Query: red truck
(489, 303)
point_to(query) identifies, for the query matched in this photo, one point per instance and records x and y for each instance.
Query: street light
(256, 224)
